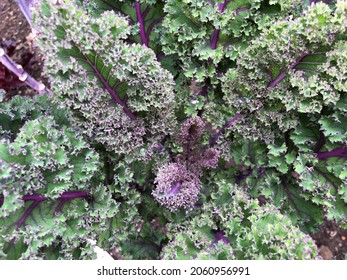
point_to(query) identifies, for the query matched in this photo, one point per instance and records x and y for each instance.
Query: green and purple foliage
(178, 130)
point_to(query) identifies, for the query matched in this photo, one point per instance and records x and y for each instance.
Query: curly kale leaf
(120, 95)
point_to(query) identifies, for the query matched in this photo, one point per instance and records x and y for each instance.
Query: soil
(17, 40)
(331, 241)
(15, 31)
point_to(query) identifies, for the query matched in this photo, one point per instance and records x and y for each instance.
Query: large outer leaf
(44, 227)
(121, 96)
(52, 193)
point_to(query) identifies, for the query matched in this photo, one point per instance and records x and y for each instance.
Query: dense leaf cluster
(178, 130)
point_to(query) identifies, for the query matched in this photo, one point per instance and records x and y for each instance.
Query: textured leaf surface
(121, 96)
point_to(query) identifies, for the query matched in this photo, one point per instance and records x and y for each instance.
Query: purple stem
(175, 188)
(65, 197)
(34, 197)
(142, 24)
(215, 38)
(224, 128)
(223, 5)
(215, 35)
(75, 194)
(145, 12)
(241, 10)
(19, 72)
(203, 91)
(219, 235)
(150, 28)
(113, 93)
(283, 74)
(339, 152)
(37, 200)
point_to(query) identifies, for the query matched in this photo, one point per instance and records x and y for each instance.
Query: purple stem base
(220, 236)
(140, 19)
(283, 74)
(339, 152)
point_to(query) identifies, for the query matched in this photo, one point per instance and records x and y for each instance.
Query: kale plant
(178, 130)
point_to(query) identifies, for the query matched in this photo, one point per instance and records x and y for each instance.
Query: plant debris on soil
(17, 40)
(331, 241)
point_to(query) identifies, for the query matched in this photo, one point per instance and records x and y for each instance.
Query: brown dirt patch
(16, 38)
